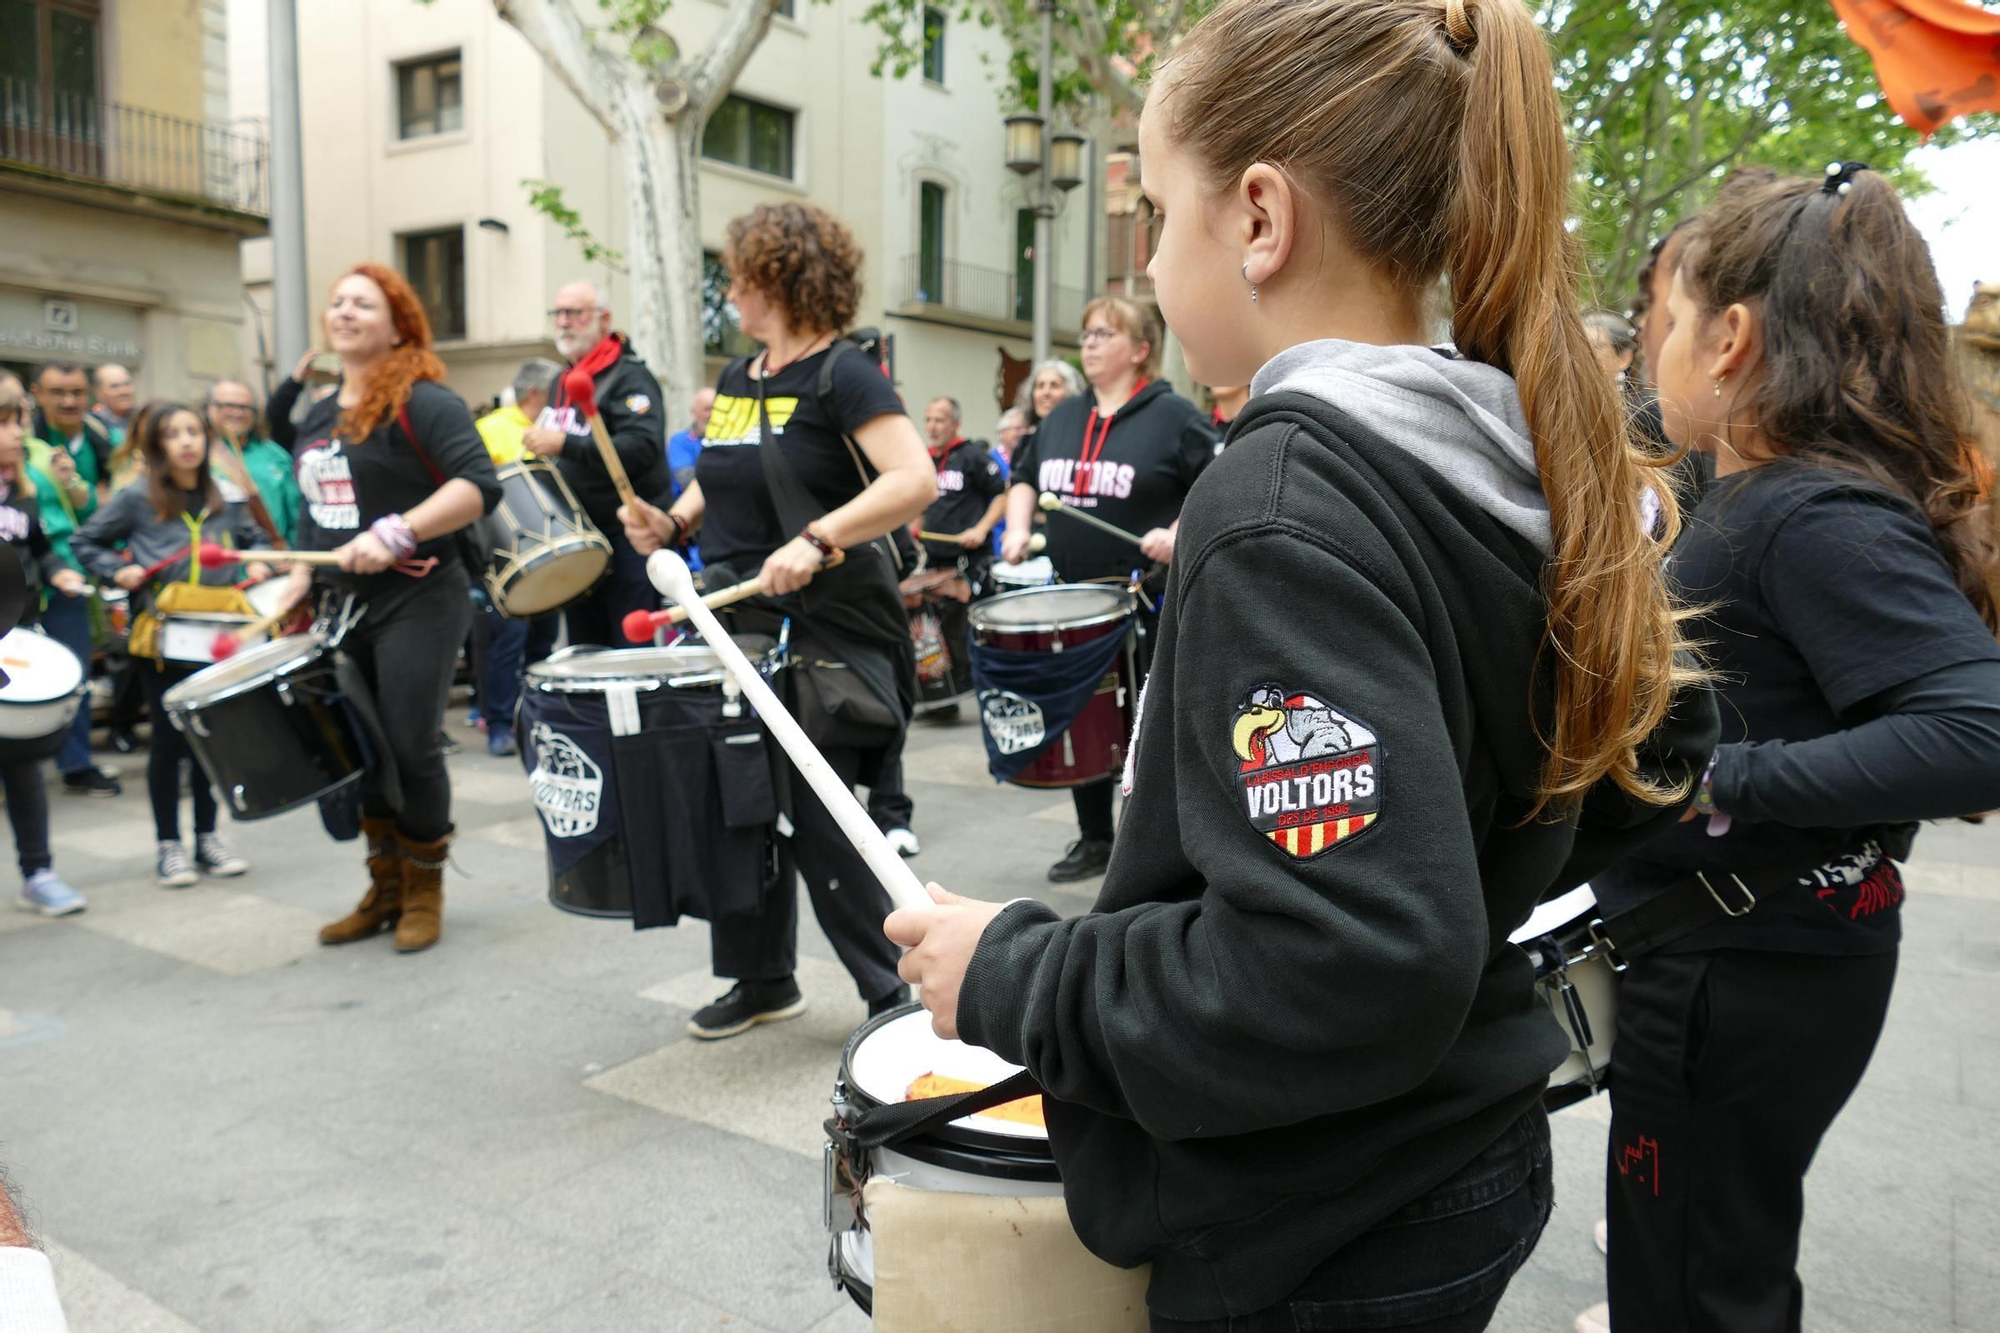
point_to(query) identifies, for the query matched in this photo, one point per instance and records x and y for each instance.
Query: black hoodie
(1132, 471)
(1295, 1007)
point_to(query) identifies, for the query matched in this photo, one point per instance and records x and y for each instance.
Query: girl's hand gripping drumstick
(670, 575)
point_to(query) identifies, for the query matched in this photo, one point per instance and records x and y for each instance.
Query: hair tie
(1840, 177)
(1458, 29)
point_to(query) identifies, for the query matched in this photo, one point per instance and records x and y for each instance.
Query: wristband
(680, 528)
(394, 532)
(1704, 793)
(817, 542)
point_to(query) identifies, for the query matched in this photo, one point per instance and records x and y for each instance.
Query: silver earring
(1718, 386)
(1246, 278)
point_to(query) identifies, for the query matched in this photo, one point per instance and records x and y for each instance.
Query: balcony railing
(142, 150)
(989, 293)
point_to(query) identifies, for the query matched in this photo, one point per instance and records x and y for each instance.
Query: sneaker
(904, 841)
(212, 855)
(447, 743)
(942, 713)
(1597, 1319)
(174, 868)
(91, 781)
(1602, 1235)
(747, 1004)
(895, 999)
(500, 742)
(472, 718)
(1087, 858)
(47, 893)
(123, 740)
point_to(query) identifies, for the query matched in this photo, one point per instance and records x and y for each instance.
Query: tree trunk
(663, 244)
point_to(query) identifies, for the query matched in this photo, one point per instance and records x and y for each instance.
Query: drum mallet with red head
(670, 575)
(582, 393)
(640, 626)
(1052, 504)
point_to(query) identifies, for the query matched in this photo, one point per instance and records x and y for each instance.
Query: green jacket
(270, 466)
(60, 519)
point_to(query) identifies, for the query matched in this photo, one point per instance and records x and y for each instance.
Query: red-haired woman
(388, 468)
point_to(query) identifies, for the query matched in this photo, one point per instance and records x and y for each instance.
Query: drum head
(243, 669)
(1553, 916)
(555, 576)
(580, 670)
(265, 597)
(38, 668)
(1062, 606)
(884, 1060)
(1030, 573)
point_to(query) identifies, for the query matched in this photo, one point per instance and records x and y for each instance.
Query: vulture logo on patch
(1309, 775)
(567, 785)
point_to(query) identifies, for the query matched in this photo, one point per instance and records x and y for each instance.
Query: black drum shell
(277, 744)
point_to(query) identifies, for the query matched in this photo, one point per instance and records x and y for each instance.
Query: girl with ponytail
(1844, 559)
(1417, 669)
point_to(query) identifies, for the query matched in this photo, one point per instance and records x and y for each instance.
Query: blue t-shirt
(683, 449)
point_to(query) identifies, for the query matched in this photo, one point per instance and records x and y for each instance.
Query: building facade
(422, 125)
(124, 191)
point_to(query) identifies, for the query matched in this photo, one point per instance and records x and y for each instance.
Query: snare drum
(546, 552)
(978, 1154)
(269, 726)
(45, 687)
(190, 636)
(672, 720)
(1037, 572)
(1575, 977)
(1048, 620)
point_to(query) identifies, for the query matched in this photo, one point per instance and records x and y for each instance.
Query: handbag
(187, 599)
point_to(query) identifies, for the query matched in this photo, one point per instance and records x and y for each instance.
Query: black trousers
(846, 897)
(1728, 1069)
(599, 615)
(407, 649)
(888, 804)
(28, 812)
(166, 753)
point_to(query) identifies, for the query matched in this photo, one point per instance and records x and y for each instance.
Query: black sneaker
(895, 999)
(748, 1004)
(123, 740)
(1086, 859)
(92, 781)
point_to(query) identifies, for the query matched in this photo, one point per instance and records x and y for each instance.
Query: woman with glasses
(251, 469)
(1126, 450)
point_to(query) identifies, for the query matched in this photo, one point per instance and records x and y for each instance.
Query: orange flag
(1935, 59)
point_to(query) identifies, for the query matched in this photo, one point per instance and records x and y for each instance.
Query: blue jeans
(500, 676)
(1437, 1265)
(67, 621)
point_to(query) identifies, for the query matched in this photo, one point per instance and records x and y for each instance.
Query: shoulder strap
(824, 392)
(889, 1124)
(410, 433)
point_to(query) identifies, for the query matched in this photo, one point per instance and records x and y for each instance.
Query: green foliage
(547, 200)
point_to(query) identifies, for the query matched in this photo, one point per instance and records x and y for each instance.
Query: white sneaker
(212, 854)
(174, 868)
(904, 841)
(1602, 1235)
(1597, 1319)
(47, 893)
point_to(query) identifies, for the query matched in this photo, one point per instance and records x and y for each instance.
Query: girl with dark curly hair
(389, 468)
(849, 467)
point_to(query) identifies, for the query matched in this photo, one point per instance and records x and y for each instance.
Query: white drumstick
(1051, 503)
(670, 575)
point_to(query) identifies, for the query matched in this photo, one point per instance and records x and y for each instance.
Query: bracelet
(680, 528)
(394, 532)
(1704, 794)
(825, 548)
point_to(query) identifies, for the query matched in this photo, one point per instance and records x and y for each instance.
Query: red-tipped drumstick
(640, 625)
(582, 394)
(228, 645)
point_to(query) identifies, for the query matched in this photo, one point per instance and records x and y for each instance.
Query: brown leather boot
(423, 893)
(383, 902)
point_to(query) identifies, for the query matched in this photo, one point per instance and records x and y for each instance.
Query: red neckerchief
(599, 358)
(1087, 459)
(945, 453)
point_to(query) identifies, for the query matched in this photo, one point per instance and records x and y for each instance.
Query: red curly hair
(387, 388)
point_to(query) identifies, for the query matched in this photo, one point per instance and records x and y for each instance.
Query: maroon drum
(1050, 620)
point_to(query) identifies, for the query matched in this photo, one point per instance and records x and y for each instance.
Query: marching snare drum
(701, 753)
(269, 726)
(45, 687)
(190, 636)
(1575, 977)
(978, 1154)
(546, 552)
(1035, 572)
(1046, 621)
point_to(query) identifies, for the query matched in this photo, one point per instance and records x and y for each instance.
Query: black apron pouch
(743, 778)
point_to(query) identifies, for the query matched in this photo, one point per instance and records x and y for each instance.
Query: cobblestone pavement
(218, 1125)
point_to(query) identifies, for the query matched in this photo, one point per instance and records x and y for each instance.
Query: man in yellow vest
(506, 640)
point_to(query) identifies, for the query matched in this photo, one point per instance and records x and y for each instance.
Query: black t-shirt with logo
(1133, 473)
(968, 478)
(345, 487)
(740, 524)
(1825, 591)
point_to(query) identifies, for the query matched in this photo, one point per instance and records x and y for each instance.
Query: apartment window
(48, 66)
(750, 134)
(721, 335)
(430, 96)
(933, 44)
(434, 262)
(930, 243)
(788, 9)
(1024, 263)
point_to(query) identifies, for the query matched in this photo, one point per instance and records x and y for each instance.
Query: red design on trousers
(1640, 1161)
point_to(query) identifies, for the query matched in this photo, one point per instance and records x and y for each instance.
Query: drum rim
(549, 683)
(1127, 607)
(317, 650)
(946, 1145)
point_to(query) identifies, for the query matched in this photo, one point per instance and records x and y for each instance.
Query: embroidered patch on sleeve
(1309, 776)
(638, 402)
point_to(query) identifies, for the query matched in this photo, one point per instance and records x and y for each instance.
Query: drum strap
(889, 1124)
(1686, 907)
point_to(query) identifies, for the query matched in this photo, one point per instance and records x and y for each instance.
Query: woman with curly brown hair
(849, 468)
(389, 468)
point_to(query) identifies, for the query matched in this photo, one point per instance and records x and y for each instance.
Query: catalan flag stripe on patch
(1312, 838)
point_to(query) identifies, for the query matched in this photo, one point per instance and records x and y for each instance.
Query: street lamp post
(1056, 160)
